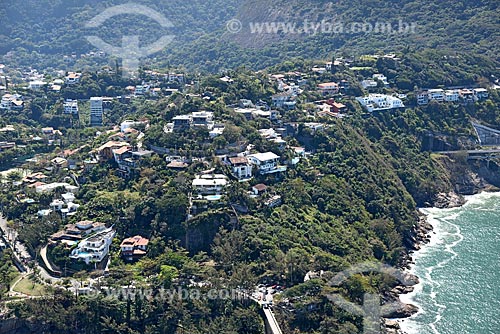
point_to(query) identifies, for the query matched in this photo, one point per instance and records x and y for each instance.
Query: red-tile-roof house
(134, 247)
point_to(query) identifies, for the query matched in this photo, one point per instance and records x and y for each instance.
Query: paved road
(273, 324)
(11, 236)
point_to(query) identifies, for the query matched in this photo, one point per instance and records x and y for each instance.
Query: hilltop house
(95, 248)
(71, 107)
(134, 247)
(451, 96)
(128, 159)
(480, 93)
(266, 163)
(380, 102)
(422, 98)
(369, 83)
(241, 168)
(337, 107)
(382, 78)
(284, 100)
(436, 94)
(259, 189)
(467, 95)
(202, 118)
(47, 188)
(12, 102)
(328, 88)
(73, 78)
(75, 232)
(6, 145)
(105, 151)
(212, 184)
(36, 84)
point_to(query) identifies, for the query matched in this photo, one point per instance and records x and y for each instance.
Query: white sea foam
(447, 235)
(443, 231)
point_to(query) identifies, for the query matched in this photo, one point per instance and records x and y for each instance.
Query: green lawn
(27, 287)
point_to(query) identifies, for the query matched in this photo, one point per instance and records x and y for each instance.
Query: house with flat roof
(436, 94)
(451, 95)
(75, 232)
(266, 163)
(211, 184)
(284, 100)
(480, 93)
(422, 98)
(202, 118)
(380, 102)
(36, 84)
(95, 248)
(467, 95)
(71, 107)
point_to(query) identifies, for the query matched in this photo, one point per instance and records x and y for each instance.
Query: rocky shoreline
(420, 236)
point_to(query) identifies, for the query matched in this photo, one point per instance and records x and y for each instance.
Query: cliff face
(467, 178)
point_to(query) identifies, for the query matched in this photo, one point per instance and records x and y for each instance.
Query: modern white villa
(213, 184)
(266, 163)
(380, 102)
(95, 248)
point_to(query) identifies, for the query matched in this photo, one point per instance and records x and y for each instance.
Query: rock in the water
(402, 311)
(391, 324)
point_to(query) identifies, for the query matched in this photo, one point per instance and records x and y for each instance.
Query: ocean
(459, 271)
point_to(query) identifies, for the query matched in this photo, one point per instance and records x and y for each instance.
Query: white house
(36, 84)
(380, 102)
(12, 102)
(266, 163)
(241, 168)
(95, 248)
(210, 184)
(436, 94)
(127, 124)
(480, 93)
(57, 205)
(283, 100)
(68, 197)
(451, 96)
(46, 188)
(71, 107)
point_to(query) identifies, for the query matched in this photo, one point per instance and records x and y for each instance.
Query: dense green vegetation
(353, 199)
(461, 27)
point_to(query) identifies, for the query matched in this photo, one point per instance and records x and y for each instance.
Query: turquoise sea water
(459, 271)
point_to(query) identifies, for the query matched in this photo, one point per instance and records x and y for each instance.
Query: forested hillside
(57, 28)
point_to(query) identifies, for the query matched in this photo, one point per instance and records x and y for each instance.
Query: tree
(167, 275)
